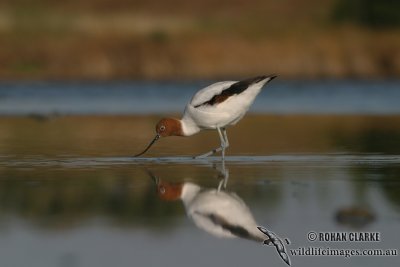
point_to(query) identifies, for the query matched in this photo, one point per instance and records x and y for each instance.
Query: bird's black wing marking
(236, 230)
(234, 89)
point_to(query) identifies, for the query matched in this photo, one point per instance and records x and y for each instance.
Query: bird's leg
(215, 150)
(225, 176)
(223, 143)
(222, 184)
(218, 149)
(225, 138)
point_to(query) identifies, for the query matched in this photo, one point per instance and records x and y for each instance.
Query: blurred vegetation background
(178, 39)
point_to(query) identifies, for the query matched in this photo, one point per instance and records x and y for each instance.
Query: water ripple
(301, 159)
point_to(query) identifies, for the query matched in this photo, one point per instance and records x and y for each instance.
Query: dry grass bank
(179, 39)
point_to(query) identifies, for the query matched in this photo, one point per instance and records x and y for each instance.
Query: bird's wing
(219, 92)
(224, 215)
(219, 221)
(209, 92)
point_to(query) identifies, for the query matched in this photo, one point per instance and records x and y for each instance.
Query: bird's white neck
(189, 127)
(189, 191)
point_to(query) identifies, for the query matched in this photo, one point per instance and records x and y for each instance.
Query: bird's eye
(162, 189)
(162, 128)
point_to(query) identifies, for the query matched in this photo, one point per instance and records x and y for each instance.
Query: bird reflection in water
(218, 211)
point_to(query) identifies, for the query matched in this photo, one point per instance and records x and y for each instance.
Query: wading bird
(215, 107)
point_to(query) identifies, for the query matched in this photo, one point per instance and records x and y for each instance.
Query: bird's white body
(220, 115)
(220, 213)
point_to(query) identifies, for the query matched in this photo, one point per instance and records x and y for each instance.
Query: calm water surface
(283, 97)
(71, 194)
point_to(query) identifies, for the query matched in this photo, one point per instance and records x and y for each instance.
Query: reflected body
(220, 213)
(215, 107)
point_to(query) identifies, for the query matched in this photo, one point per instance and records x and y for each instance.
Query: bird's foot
(212, 152)
(203, 156)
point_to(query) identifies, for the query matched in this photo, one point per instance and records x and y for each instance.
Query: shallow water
(103, 211)
(279, 97)
(77, 197)
(71, 194)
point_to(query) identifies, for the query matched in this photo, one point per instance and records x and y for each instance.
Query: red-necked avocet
(215, 107)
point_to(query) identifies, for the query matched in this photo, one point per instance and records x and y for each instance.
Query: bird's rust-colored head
(165, 127)
(169, 191)
(169, 127)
